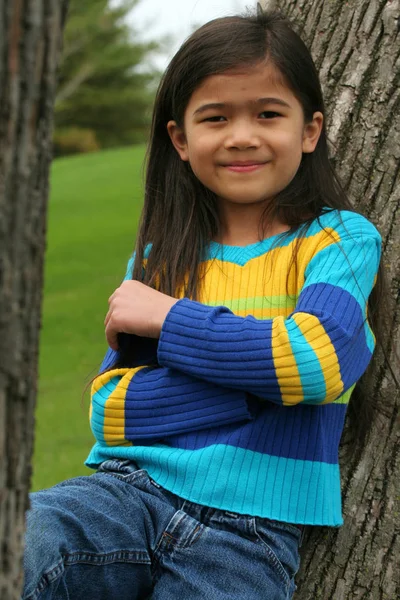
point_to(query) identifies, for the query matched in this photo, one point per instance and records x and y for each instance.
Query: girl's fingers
(111, 333)
(111, 337)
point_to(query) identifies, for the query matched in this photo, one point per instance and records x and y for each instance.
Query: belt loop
(157, 485)
(231, 514)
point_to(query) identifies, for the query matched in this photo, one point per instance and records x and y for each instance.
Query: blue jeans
(118, 535)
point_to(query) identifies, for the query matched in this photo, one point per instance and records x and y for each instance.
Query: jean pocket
(181, 533)
(281, 542)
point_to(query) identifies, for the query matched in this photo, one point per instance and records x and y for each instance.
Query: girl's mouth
(244, 167)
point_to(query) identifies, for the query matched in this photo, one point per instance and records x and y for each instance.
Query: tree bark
(30, 41)
(356, 47)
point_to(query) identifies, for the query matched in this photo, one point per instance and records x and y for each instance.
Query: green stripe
(344, 398)
(257, 302)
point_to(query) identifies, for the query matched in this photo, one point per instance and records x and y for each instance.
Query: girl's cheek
(205, 146)
(282, 136)
(207, 137)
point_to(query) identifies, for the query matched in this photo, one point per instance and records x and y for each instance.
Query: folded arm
(313, 356)
(145, 402)
(150, 403)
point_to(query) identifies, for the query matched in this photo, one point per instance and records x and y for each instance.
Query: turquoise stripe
(131, 261)
(354, 270)
(313, 383)
(97, 418)
(242, 481)
(369, 338)
(129, 268)
(99, 400)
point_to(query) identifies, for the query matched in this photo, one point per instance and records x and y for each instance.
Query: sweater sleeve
(313, 356)
(150, 403)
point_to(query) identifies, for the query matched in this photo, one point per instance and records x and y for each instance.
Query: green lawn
(95, 203)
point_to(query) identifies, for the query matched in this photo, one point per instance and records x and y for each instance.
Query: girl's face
(244, 134)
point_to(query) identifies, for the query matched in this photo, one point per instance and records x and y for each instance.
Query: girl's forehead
(242, 81)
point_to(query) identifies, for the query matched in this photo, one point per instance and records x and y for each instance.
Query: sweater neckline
(242, 254)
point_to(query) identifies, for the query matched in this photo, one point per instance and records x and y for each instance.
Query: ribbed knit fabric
(246, 408)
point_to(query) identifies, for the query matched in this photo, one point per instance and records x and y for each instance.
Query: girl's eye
(269, 114)
(215, 119)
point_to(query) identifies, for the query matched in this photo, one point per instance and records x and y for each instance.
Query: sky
(178, 18)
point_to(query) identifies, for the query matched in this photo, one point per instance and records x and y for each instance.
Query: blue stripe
(347, 265)
(110, 358)
(284, 489)
(335, 301)
(274, 389)
(303, 432)
(218, 338)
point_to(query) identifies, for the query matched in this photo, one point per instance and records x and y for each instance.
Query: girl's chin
(245, 199)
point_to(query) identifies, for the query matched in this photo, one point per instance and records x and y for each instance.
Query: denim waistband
(209, 516)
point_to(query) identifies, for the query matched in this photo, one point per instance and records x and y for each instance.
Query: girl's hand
(136, 308)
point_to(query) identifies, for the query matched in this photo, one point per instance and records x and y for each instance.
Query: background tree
(105, 92)
(30, 36)
(356, 47)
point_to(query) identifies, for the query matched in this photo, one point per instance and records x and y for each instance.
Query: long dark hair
(180, 215)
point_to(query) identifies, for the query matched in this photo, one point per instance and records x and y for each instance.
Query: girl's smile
(244, 134)
(245, 166)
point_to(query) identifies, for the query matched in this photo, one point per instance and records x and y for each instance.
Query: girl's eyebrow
(221, 105)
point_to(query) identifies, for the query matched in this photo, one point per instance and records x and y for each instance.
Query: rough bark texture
(356, 47)
(30, 35)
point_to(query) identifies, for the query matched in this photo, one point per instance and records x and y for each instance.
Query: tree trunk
(356, 47)
(30, 36)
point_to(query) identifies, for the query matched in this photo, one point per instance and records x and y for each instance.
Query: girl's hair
(180, 215)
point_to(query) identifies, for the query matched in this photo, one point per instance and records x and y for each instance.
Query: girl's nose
(242, 136)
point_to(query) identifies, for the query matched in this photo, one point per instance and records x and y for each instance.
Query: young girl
(235, 341)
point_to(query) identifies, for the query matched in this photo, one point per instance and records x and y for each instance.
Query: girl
(235, 341)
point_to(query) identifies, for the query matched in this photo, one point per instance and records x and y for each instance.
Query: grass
(94, 207)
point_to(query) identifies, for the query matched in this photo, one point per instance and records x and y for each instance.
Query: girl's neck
(242, 225)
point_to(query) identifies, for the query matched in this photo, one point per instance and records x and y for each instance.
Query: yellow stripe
(320, 342)
(106, 377)
(114, 408)
(114, 411)
(231, 282)
(285, 364)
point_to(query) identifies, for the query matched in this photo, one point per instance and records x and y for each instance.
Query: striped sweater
(244, 405)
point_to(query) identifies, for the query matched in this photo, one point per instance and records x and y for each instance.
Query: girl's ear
(178, 139)
(312, 131)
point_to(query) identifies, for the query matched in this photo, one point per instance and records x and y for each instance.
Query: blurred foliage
(73, 140)
(106, 84)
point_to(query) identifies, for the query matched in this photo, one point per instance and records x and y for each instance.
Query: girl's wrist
(161, 314)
